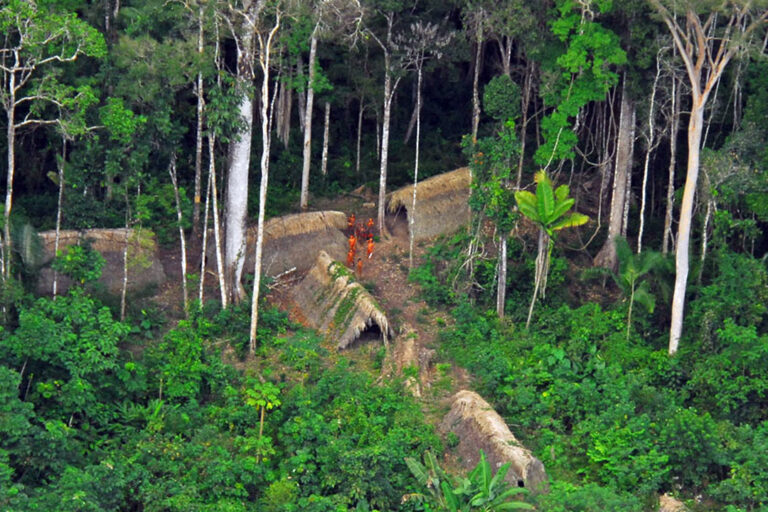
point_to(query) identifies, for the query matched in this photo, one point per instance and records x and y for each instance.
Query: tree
(706, 46)
(548, 209)
(35, 38)
(242, 21)
(423, 42)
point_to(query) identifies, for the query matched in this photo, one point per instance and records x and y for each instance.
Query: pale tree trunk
(199, 134)
(606, 257)
(505, 54)
(540, 275)
(216, 223)
(359, 134)
(59, 206)
(237, 177)
(704, 237)
(501, 285)
(302, 99)
(182, 240)
(204, 245)
(476, 82)
(11, 144)
(651, 145)
(674, 123)
(124, 288)
(264, 58)
(412, 226)
(628, 196)
(326, 133)
(695, 127)
(307, 152)
(705, 57)
(526, 100)
(390, 87)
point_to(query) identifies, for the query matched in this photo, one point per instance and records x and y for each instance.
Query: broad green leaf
(561, 207)
(417, 470)
(572, 220)
(561, 193)
(546, 199)
(526, 202)
(644, 297)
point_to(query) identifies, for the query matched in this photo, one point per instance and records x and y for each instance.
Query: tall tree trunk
(326, 133)
(199, 133)
(628, 191)
(264, 54)
(11, 147)
(59, 207)
(359, 134)
(501, 285)
(526, 101)
(307, 154)
(607, 258)
(220, 263)
(674, 124)
(204, 245)
(301, 98)
(182, 241)
(651, 145)
(695, 127)
(476, 82)
(412, 226)
(237, 177)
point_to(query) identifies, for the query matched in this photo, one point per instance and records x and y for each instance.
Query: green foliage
(81, 263)
(582, 74)
(481, 490)
(567, 497)
(747, 483)
(501, 98)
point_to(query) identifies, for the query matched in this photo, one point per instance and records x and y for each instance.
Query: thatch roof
(479, 427)
(145, 271)
(441, 203)
(337, 305)
(293, 241)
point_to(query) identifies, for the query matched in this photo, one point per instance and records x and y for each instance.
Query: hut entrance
(397, 223)
(371, 334)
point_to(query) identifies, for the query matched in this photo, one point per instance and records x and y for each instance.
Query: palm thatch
(441, 203)
(479, 427)
(338, 306)
(293, 241)
(145, 271)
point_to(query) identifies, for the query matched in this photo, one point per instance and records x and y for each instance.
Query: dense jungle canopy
(608, 294)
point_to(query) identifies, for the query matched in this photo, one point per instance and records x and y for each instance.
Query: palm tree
(548, 209)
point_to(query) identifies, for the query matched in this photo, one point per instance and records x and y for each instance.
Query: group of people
(359, 232)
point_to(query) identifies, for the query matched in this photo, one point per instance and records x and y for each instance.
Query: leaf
(418, 471)
(560, 209)
(644, 297)
(526, 202)
(546, 199)
(572, 220)
(561, 193)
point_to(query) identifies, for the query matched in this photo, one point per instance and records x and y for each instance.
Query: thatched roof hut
(441, 203)
(479, 427)
(293, 241)
(145, 271)
(338, 306)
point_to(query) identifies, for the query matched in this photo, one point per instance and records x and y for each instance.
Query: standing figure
(352, 242)
(369, 249)
(350, 258)
(370, 225)
(359, 267)
(351, 222)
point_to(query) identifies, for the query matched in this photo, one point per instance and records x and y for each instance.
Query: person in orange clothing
(370, 225)
(369, 249)
(351, 222)
(352, 243)
(359, 267)
(350, 258)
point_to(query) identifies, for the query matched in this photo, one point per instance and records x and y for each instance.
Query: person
(351, 222)
(359, 267)
(352, 243)
(350, 258)
(370, 225)
(369, 249)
